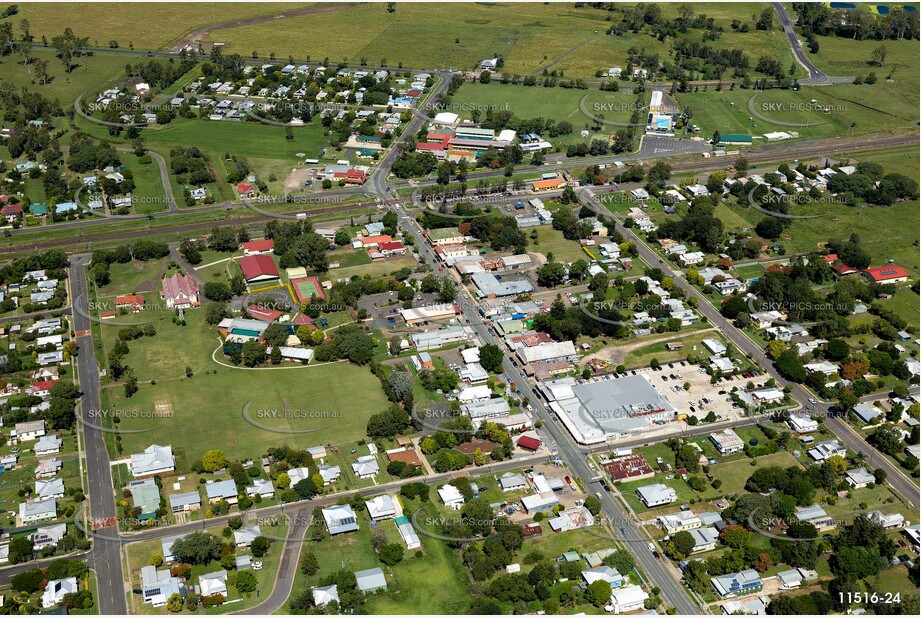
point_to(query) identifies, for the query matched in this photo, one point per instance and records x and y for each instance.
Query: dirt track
(197, 35)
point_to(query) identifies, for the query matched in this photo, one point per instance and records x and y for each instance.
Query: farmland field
(132, 22)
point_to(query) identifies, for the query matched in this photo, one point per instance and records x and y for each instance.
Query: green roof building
(735, 138)
(38, 210)
(146, 495)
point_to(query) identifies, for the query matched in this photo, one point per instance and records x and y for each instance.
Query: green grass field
(728, 111)
(642, 356)
(551, 36)
(841, 56)
(885, 232)
(375, 269)
(125, 279)
(213, 399)
(148, 194)
(559, 104)
(552, 241)
(734, 473)
(439, 35)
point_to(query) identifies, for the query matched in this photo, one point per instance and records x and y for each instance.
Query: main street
(623, 526)
(105, 558)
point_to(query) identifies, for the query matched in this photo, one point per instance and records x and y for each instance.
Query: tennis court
(307, 289)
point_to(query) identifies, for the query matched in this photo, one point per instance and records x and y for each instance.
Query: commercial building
(727, 442)
(434, 339)
(594, 412)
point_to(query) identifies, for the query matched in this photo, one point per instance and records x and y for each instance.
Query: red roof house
(528, 442)
(258, 268)
(11, 211)
(245, 189)
(831, 258)
(393, 247)
(886, 274)
(376, 241)
(135, 302)
(41, 387)
(258, 247)
(303, 318)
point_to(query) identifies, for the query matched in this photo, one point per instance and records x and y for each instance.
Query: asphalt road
(816, 77)
(624, 528)
(105, 557)
(895, 476)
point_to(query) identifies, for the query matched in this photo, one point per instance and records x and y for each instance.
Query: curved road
(816, 77)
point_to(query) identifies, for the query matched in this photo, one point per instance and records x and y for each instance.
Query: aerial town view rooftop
(417, 308)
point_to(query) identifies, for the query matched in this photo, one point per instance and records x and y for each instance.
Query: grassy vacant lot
(552, 241)
(734, 473)
(126, 278)
(375, 269)
(658, 350)
(148, 194)
(93, 73)
(212, 400)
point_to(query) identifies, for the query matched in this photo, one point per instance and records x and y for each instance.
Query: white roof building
(628, 599)
(451, 496)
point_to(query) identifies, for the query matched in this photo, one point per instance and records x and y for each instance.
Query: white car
(257, 566)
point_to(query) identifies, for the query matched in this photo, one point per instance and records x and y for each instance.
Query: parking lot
(702, 397)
